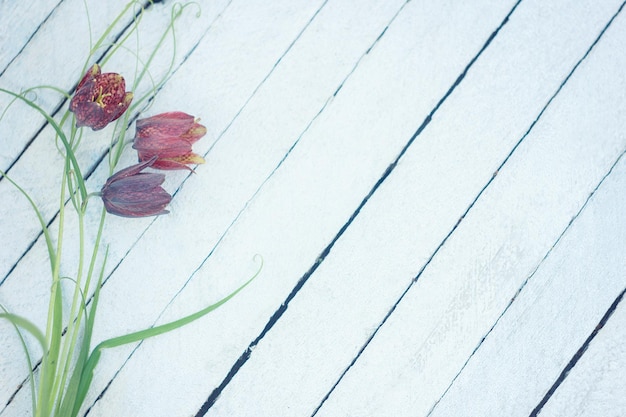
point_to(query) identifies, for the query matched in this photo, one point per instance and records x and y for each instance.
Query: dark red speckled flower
(99, 99)
(169, 137)
(133, 193)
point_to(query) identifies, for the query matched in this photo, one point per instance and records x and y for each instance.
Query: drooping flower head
(169, 137)
(133, 193)
(99, 99)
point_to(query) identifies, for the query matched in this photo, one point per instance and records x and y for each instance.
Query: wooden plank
(306, 71)
(554, 314)
(324, 177)
(317, 336)
(444, 316)
(19, 229)
(19, 21)
(255, 59)
(595, 386)
(35, 66)
(144, 251)
(18, 223)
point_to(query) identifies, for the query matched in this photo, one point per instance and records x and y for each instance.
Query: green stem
(106, 33)
(55, 316)
(85, 345)
(75, 318)
(117, 147)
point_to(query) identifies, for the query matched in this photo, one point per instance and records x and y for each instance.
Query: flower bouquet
(60, 378)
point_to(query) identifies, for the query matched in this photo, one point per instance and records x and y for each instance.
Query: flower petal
(138, 183)
(90, 114)
(121, 107)
(194, 133)
(131, 170)
(90, 75)
(132, 193)
(164, 125)
(164, 147)
(99, 99)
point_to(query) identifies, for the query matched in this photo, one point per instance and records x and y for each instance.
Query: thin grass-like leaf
(27, 325)
(138, 15)
(68, 148)
(164, 328)
(29, 361)
(106, 33)
(42, 222)
(68, 350)
(148, 333)
(51, 359)
(70, 405)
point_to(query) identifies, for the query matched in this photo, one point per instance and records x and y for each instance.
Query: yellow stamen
(100, 99)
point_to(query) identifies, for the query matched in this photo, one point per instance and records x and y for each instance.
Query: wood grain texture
(341, 156)
(596, 386)
(37, 66)
(536, 337)
(461, 294)
(28, 268)
(433, 186)
(253, 66)
(21, 124)
(20, 22)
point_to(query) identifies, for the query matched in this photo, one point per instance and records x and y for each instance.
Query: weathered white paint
(533, 342)
(596, 385)
(438, 324)
(326, 175)
(54, 56)
(20, 227)
(263, 79)
(18, 234)
(19, 20)
(254, 62)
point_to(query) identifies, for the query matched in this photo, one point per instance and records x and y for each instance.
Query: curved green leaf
(27, 325)
(42, 222)
(68, 148)
(87, 375)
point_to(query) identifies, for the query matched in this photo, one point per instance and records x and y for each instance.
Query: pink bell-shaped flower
(169, 137)
(133, 193)
(99, 99)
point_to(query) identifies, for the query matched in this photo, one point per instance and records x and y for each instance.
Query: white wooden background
(438, 190)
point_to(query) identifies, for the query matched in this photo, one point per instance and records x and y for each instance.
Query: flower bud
(133, 193)
(168, 137)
